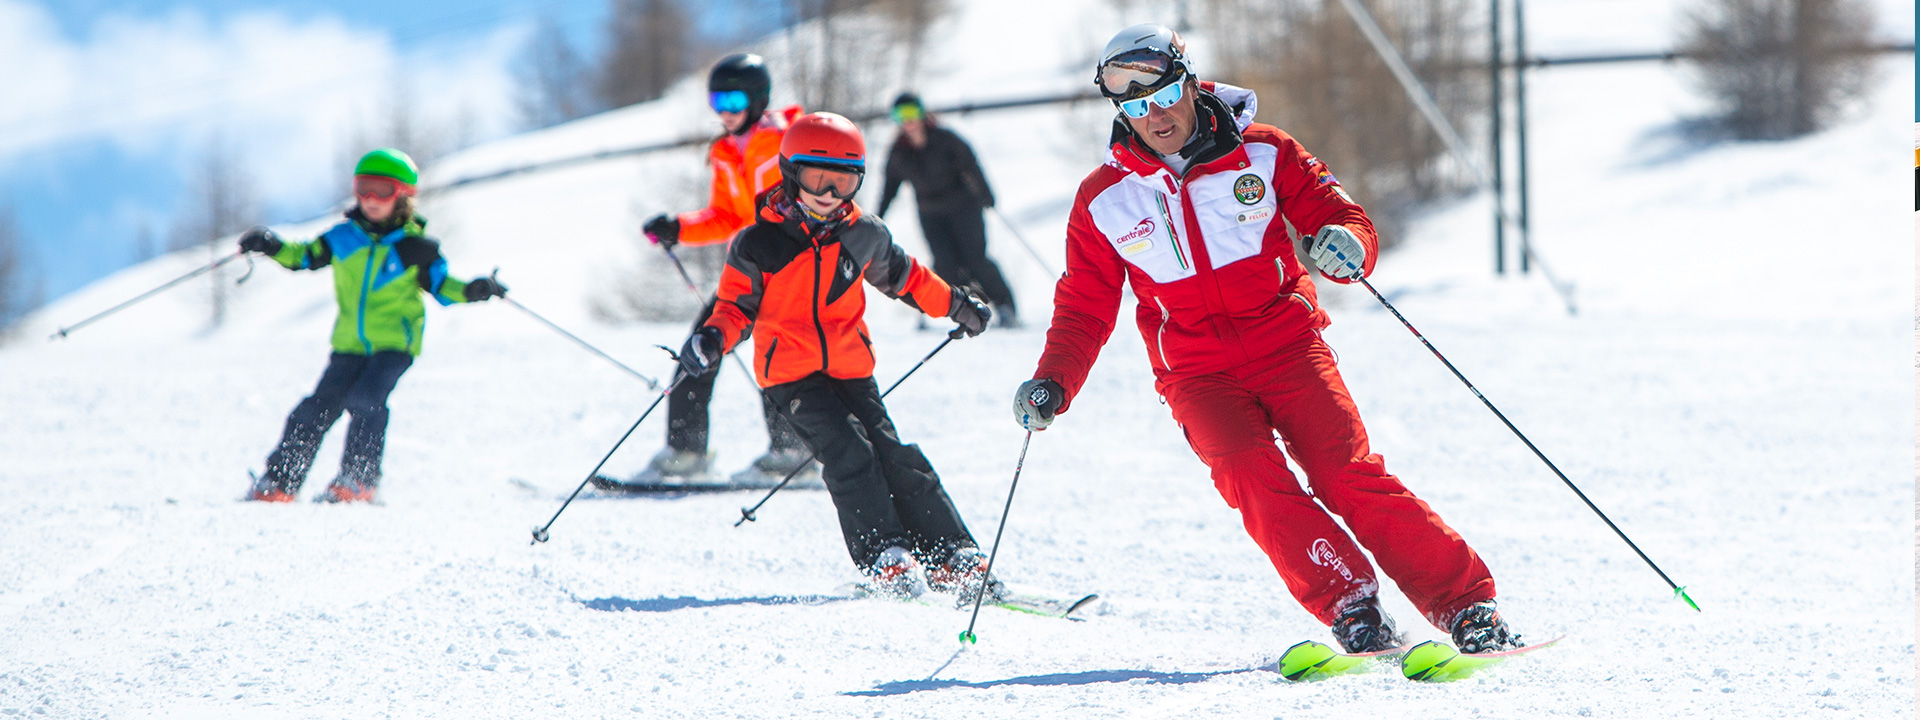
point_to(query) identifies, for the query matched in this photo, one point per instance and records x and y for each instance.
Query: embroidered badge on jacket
(1249, 189)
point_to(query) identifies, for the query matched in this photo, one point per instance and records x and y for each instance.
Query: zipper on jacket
(406, 326)
(1173, 237)
(768, 372)
(1160, 338)
(366, 285)
(819, 251)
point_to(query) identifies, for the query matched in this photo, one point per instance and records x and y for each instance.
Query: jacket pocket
(867, 342)
(767, 369)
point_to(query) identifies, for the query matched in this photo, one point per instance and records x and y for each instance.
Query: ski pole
(1679, 591)
(684, 277)
(651, 383)
(746, 514)
(695, 289)
(1023, 243)
(204, 269)
(980, 595)
(753, 382)
(540, 533)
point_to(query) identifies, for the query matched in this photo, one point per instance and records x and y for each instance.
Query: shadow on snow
(667, 604)
(1091, 677)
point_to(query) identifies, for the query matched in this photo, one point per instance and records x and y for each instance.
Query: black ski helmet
(745, 72)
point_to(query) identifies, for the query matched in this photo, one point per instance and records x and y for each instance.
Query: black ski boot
(1479, 629)
(1362, 627)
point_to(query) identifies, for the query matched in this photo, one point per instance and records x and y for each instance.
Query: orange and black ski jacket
(797, 285)
(739, 175)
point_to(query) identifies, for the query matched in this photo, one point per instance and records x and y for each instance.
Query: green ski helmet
(389, 163)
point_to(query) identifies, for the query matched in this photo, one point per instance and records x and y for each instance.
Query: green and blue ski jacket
(378, 280)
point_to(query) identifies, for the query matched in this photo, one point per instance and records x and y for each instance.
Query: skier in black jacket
(951, 192)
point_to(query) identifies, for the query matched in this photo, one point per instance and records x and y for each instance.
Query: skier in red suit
(1192, 209)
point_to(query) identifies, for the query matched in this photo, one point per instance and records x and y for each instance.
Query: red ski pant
(1229, 418)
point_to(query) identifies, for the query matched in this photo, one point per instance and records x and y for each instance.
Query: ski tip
(1302, 645)
(1425, 660)
(1300, 661)
(1077, 604)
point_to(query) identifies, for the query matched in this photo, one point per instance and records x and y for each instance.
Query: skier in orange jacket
(746, 163)
(793, 279)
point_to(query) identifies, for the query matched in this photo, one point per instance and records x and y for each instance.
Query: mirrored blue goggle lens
(728, 101)
(1165, 97)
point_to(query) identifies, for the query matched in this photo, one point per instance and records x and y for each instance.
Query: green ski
(1432, 661)
(1311, 660)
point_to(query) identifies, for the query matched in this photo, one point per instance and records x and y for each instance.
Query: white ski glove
(1337, 253)
(1036, 402)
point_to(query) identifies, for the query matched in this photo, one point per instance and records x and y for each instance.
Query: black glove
(259, 239)
(663, 230)
(1036, 402)
(482, 289)
(702, 352)
(971, 312)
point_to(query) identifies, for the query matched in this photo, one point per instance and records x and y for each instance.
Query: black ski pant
(886, 493)
(958, 239)
(357, 385)
(687, 409)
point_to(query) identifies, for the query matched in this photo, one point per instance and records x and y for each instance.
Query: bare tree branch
(553, 80)
(220, 203)
(652, 44)
(1780, 68)
(1320, 81)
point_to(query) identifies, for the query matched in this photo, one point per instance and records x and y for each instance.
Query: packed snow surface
(1733, 392)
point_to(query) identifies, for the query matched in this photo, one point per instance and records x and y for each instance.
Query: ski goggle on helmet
(840, 182)
(1140, 64)
(379, 187)
(729, 101)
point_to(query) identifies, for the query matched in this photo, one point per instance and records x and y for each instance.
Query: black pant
(958, 239)
(687, 409)
(358, 385)
(886, 492)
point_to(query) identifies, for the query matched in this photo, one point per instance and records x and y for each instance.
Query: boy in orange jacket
(793, 278)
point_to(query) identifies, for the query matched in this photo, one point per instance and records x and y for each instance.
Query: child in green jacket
(382, 263)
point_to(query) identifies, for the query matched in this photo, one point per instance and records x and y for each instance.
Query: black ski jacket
(945, 175)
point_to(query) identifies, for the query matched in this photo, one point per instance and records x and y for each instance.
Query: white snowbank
(1733, 393)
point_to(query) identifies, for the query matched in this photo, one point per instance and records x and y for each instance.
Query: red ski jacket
(1208, 252)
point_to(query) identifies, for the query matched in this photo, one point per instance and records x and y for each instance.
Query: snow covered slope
(1734, 393)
